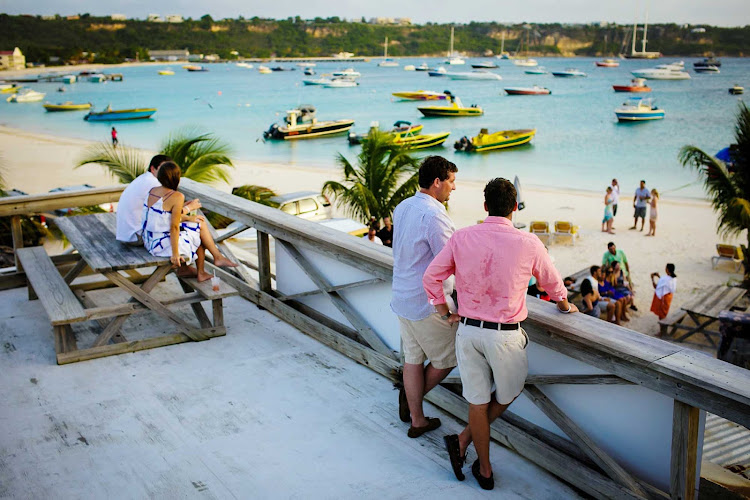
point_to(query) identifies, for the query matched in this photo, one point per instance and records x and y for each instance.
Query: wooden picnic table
(704, 311)
(93, 237)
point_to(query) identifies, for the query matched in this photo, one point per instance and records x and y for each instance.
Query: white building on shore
(12, 59)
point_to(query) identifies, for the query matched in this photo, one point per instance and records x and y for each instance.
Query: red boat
(636, 85)
(527, 90)
(608, 63)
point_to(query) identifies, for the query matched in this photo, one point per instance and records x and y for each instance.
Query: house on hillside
(12, 59)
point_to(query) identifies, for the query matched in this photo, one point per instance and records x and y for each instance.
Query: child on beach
(607, 221)
(115, 142)
(654, 213)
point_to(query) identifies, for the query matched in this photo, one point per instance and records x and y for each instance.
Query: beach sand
(685, 234)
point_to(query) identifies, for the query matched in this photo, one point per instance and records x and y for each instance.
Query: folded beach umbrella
(724, 155)
(519, 193)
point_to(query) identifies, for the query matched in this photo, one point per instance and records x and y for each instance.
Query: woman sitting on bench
(182, 238)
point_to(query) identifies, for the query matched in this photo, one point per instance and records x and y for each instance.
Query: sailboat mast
(645, 29)
(450, 54)
(635, 29)
(502, 43)
(385, 53)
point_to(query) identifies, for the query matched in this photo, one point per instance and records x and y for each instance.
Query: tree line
(102, 40)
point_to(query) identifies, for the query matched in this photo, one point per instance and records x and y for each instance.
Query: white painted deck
(265, 412)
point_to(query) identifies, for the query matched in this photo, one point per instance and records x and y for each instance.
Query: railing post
(17, 234)
(264, 262)
(683, 467)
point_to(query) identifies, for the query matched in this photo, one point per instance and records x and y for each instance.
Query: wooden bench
(206, 290)
(57, 299)
(674, 318)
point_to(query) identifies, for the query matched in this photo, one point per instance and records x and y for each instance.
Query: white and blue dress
(156, 225)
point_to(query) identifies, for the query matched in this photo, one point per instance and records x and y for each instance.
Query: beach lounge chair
(728, 252)
(541, 229)
(566, 229)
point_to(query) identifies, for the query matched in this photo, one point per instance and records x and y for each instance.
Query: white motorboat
(340, 83)
(410, 67)
(525, 62)
(26, 95)
(472, 75)
(348, 73)
(672, 71)
(244, 65)
(306, 65)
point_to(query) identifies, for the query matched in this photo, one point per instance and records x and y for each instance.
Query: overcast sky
(713, 12)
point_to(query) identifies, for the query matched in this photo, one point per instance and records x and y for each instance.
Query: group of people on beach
(152, 213)
(642, 200)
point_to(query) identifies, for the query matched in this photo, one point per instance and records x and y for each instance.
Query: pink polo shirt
(493, 263)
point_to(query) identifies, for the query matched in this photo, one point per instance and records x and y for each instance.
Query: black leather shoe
(432, 424)
(486, 483)
(454, 452)
(403, 406)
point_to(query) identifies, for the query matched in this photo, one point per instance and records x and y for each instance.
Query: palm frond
(201, 156)
(122, 163)
(258, 194)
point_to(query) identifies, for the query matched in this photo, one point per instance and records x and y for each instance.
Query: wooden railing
(335, 288)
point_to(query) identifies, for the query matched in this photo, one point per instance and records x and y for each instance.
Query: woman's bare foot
(204, 276)
(611, 232)
(187, 272)
(224, 262)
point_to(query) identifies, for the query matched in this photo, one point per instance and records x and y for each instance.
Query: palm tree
(201, 157)
(258, 194)
(384, 176)
(728, 188)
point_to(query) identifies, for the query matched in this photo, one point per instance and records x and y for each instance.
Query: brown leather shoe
(486, 483)
(432, 424)
(403, 406)
(454, 453)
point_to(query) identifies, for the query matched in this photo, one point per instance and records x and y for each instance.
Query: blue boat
(638, 109)
(111, 115)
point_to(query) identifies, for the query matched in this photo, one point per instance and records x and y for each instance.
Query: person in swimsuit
(654, 213)
(168, 233)
(608, 219)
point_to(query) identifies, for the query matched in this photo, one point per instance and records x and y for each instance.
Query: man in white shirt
(130, 205)
(372, 238)
(421, 229)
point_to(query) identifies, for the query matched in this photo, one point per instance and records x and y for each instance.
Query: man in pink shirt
(492, 263)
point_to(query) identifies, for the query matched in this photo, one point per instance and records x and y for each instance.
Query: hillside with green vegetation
(46, 40)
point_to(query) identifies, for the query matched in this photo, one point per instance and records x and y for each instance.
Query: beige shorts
(431, 338)
(486, 356)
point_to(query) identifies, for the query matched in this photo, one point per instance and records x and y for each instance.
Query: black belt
(490, 324)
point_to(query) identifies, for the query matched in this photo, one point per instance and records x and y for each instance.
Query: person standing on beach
(608, 215)
(663, 291)
(640, 201)
(421, 229)
(615, 196)
(115, 142)
(653, 213)
(493, 263)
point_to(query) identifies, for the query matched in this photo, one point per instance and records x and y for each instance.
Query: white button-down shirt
(421, 227)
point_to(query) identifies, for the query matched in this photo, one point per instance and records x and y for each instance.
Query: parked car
(306, 204)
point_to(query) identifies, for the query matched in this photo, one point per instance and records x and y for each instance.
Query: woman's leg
(200, 263)
(208, 242)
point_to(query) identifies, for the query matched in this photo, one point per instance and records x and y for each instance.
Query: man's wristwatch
(445, 316)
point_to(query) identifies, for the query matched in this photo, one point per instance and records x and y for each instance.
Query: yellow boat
(67, 106)
(497, 140)
(421, 95)
(9, 88)
(456, 108)
(421, 141)
(166, 72)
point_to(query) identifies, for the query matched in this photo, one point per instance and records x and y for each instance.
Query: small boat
(318, 81)
(608, 63)
(497, 140)
(441, 71)
(673, 71)
(111, 115)
(97, 78)
(166, 72)
(410, 67)
(639, 109)
(737, 90)
(709, 61)
(309, 72)
(348, 72)
(282, 68)
(456, 108)
(196, 68)
(525, 62)
(485, 65)
(69, 79)
(62, 88)
(386, 62)
(309, 128)
(26, 95)
(340, 83)
(401, 128)
(636, 85)
(706, 69)
(264, 70)
(535, 90)
(422, 67)
(9, 88)
(67, 106)
(473, 75)
(453, 57)
(421, 95)
(539, 70)
(244, 65)
(422, 141)
(569, 73)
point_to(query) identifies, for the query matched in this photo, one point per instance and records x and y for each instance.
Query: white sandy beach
(686, 230)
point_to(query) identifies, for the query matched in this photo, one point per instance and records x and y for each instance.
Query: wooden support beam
(197, 308)
(17, 234)
(40, 203)
(684, 461)
(349, 312)
(580, 438)
(229, 234)
(91, 306)
(75, 271)
(335, 288)
(264, 262)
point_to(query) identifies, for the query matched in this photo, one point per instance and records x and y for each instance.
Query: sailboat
(453, 57)
(503, 54)
(634, 54)
(387, 63)
(527, 62)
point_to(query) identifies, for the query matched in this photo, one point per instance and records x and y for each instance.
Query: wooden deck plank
(57, 299)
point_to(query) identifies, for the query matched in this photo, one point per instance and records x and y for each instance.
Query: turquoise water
(579, 143)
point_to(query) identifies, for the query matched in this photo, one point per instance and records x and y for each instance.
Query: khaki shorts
(486, 356)
(431, 338)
